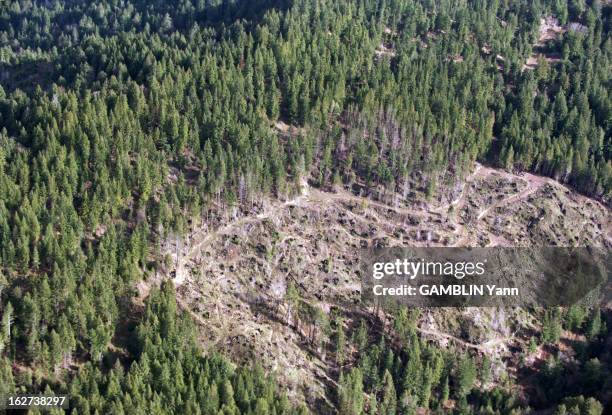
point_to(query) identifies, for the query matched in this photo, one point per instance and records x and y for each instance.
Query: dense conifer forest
(123, 122)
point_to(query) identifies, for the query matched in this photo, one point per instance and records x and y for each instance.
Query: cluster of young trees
(395, 371)
(576, 318)
(121, 122)
(168, 375)
(557, 118)
(590, 374)
(401, 373)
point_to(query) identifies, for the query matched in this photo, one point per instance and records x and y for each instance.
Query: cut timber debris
(383, 50)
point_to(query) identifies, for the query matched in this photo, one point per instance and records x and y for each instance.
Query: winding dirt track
(479, 171)
(534, 183)
(221, 323)
(206, 235)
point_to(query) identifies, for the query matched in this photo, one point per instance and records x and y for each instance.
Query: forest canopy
(121, 122)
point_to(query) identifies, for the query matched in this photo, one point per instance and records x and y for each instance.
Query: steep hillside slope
(236, 279)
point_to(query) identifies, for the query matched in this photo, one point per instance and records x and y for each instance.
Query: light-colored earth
(549, 31)
(232, 279)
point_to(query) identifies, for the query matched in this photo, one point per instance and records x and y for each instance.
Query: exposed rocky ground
(233, 278)
(550, 30)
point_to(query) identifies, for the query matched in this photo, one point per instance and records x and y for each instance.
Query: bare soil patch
(233, 277)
